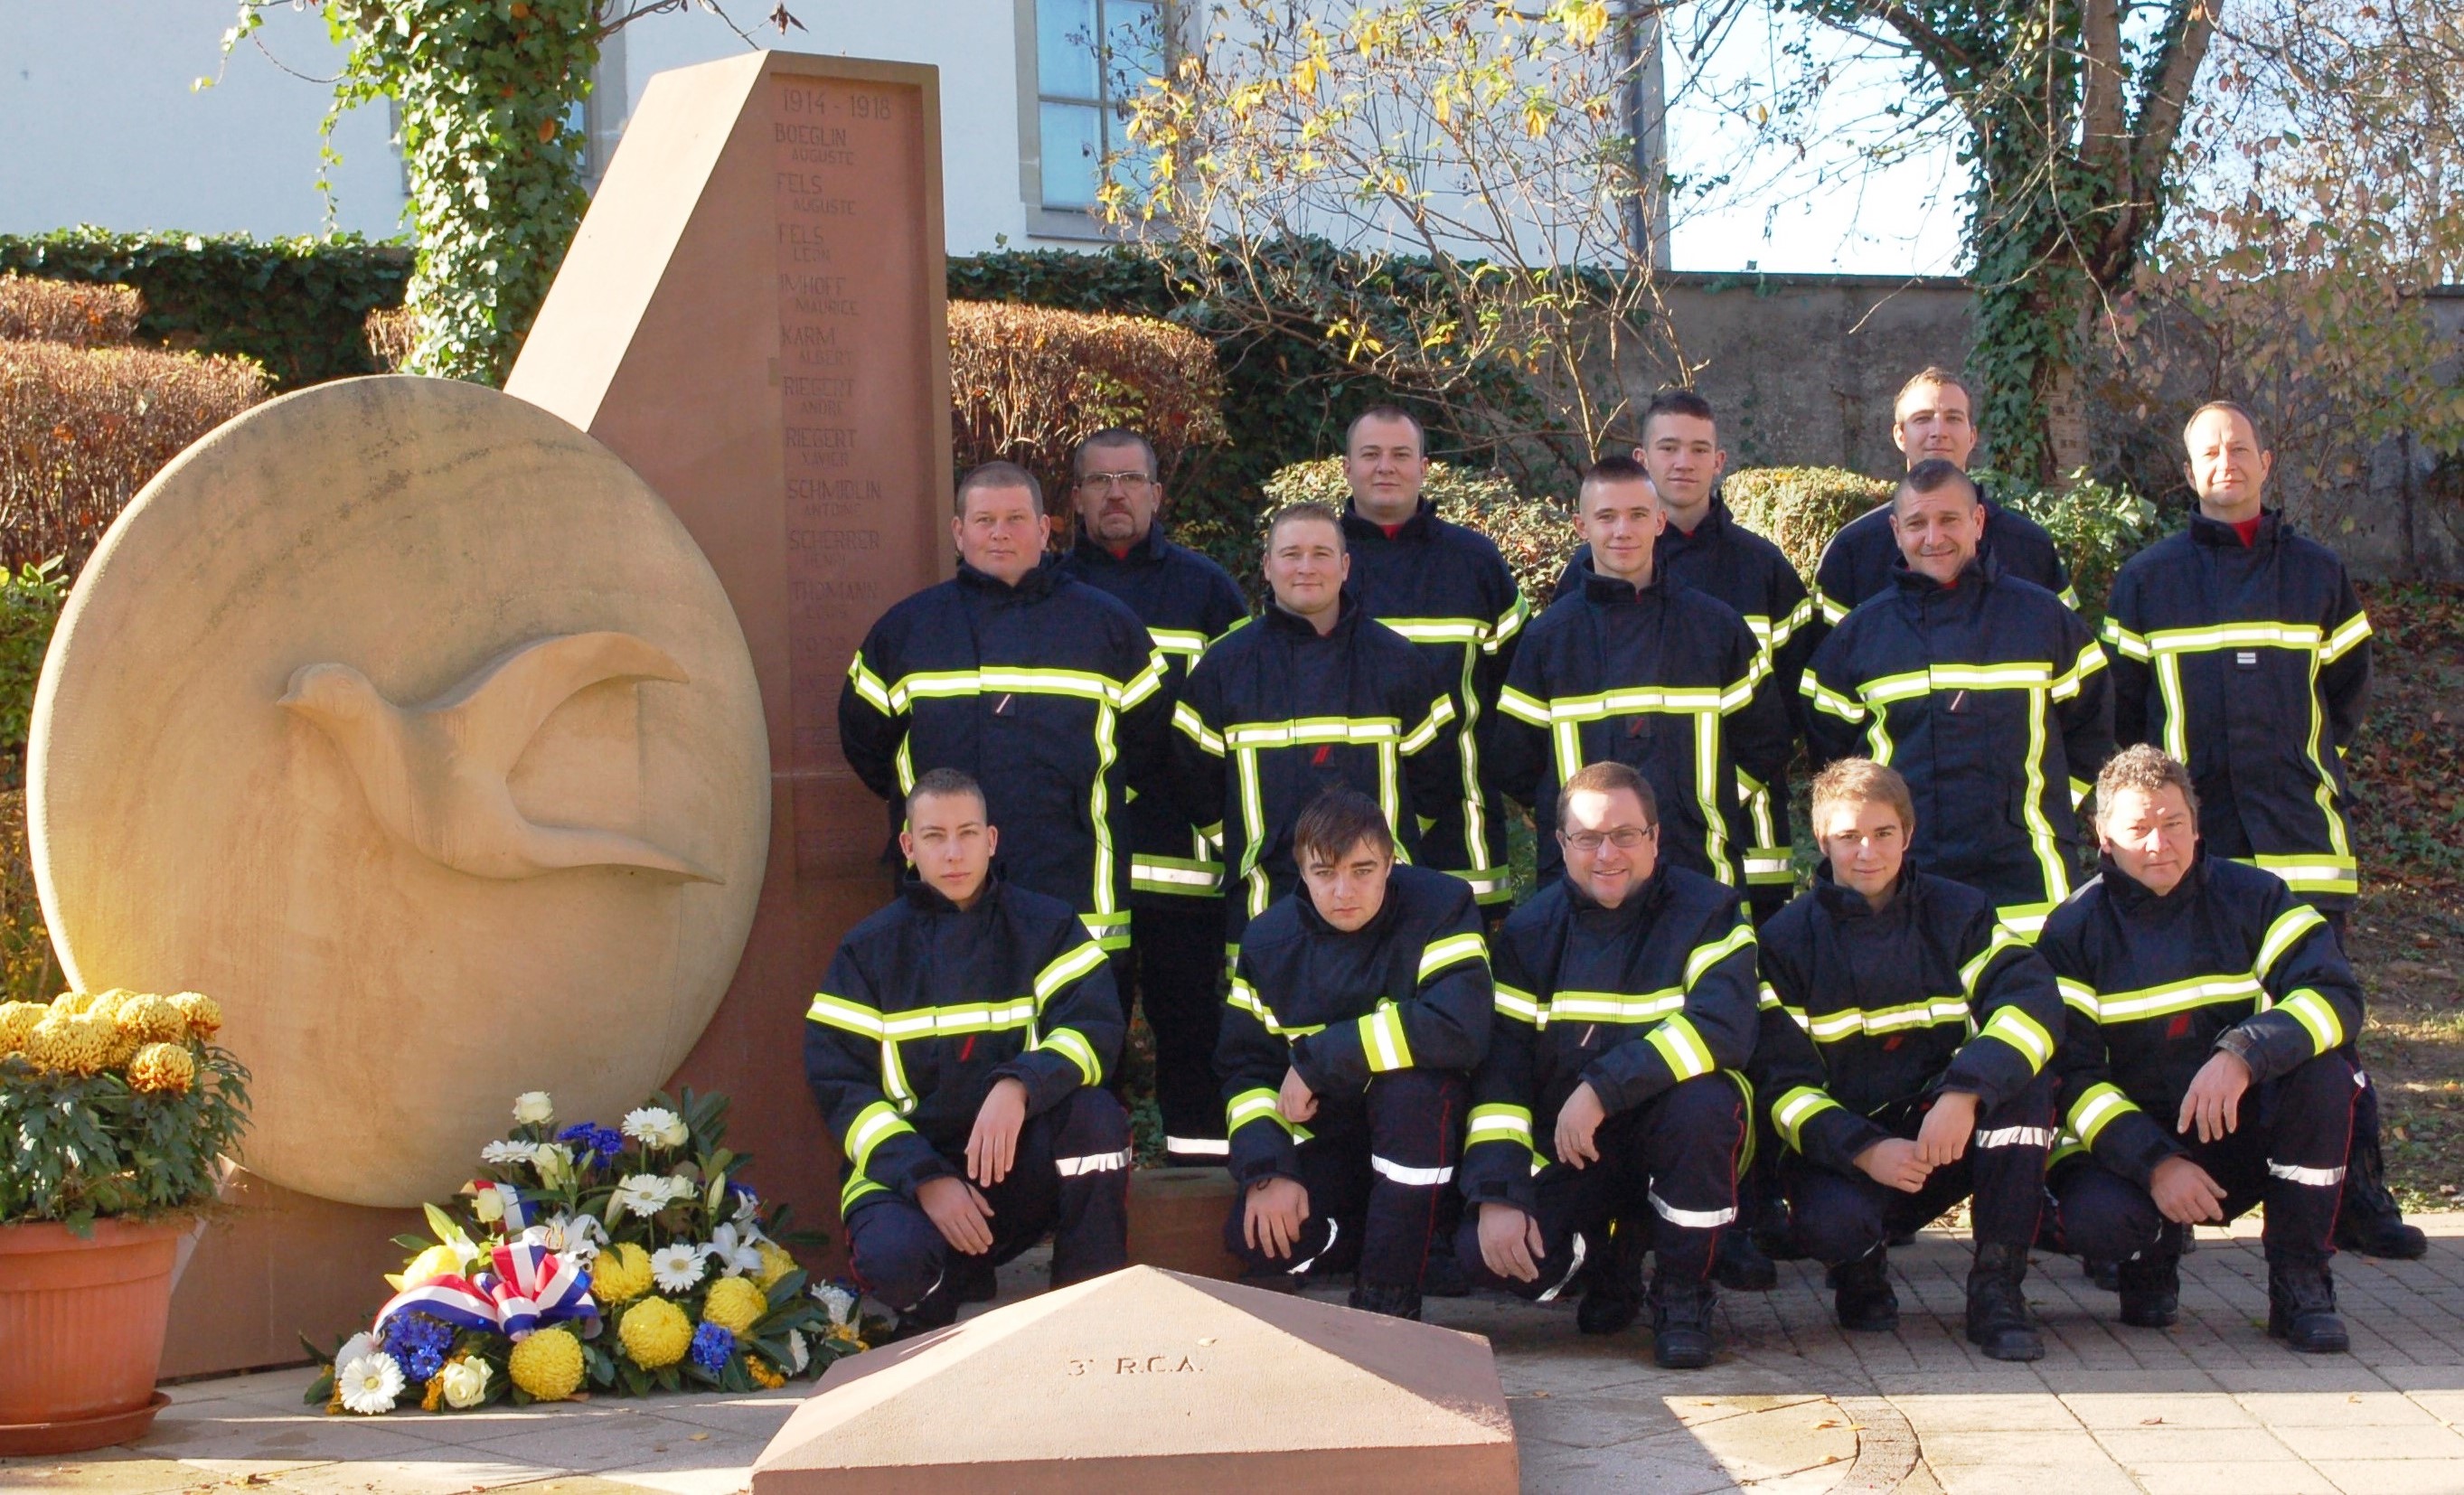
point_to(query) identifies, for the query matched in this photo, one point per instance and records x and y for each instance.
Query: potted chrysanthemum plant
(115, 1112)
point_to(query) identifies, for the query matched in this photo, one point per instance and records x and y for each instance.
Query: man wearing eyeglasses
(1174, 961)
(1611, 1089)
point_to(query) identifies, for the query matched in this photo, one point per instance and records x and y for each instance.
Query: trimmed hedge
(65, 310)
(1535, 534)
(296, 306)
(1800, 508)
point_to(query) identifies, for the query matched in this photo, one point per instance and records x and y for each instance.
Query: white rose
(489, 1206)
(466, 1383)
(533, 1108)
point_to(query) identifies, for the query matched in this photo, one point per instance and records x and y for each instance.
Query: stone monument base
(1152, 1381)
(274, 1266)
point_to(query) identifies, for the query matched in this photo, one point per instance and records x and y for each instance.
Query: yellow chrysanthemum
(734, 1304)
(760, 1370)
(776, 1263)
(163, 1069)
(106, 1004)
(547, 1365)
(71, 1045)
(655, 1333)
(620, 1274)
(150, 1019)
(437, 1261)
(17, 1020)
(204, 1014)
(72, 1005)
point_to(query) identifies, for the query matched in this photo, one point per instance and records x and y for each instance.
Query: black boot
(972, 1278)
(938, 1309)
(1392, 1302)
(1612, 1285)
(1999, 1322)
(1441, 1276)
(2150, 1284)
(2301, 1306)
(1681, 1322)
(1861, 1295)
(2367, 1220)
(1739, 1264)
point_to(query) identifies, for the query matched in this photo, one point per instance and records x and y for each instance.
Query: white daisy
(642, 1194)
(502, 1152)
(835, 1301)
(798, 1356)
(370, 1384)
(675, 1268)
(736, 1252)
(657, 1126)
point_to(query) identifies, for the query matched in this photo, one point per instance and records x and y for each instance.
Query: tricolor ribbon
(530, 1286)
(517, 1215)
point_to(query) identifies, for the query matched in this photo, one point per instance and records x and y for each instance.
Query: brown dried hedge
(66, 311)
(1027, 381)
(81, 429)
(390, 331)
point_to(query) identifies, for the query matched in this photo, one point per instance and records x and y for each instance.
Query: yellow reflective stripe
(1065, 968)
(1523, 708)
(2317, 1015)
(2172, 996)
(1011, 679)
(1614, 1007)
(1245, 997)
(2068, 596)
(868, 685)
(1646, 700)
(2320, 873)
(1499, 1123)
(1711, 952)
(2349, 633)
(1826, 700)
(1845, 1022)
(1767, 998)
(2079, 995)
(2095, 1109)
(2125, 643)
(1382, 1043)
(1441, 712)
(2233, 635)
(2027, 920)
(845, 1015)
(874, 1125)
(1440, 631)
(1683, 1048)
(1313, 729)
(1509, 624)
(2067, 684)
(1795, 1109)
(2023, 1033)
(1513, 1001)
(1259, 1105)
(1439, 954)
(2004, 939)
(968, 1016)
(1194, 727)
(1145, 683)
(2288, 929)
(1073, 1044)
(1834, 611)
(855, 1188)
(1175, 875)
(1782, 630)
(1179, 640)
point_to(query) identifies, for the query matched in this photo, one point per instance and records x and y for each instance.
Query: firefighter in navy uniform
(2239, 647)
(1359, 1006)
(2204, 1070)
(1175, 879)
(1445, 588)
(1988, 696)
(1905, 1055)
(958, 1048)
(1644, 670)
(1625, 1011)
(1933, 419)
(1043, 689)
(1312, 693)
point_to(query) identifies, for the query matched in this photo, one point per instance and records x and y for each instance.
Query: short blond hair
(2146, 768)
(1311, 509)
(1936, 375)
(1861, 780)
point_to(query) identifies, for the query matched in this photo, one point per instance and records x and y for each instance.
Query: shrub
(1800, 508)
(64, 311)
(2096, 525)
(1027, 381)
(29, 971)
(390, 331)
(1535, 537)
(81, 429)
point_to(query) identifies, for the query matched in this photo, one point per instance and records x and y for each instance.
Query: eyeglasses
(1125, 482)
(1625, 838)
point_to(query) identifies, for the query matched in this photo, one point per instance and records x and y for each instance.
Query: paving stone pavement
(1792, 1407)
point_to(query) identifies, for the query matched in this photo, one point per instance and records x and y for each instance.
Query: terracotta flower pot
(83, 1321)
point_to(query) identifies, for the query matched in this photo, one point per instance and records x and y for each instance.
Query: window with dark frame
(1091, 57)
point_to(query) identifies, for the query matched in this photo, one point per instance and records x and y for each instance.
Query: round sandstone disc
(405, 720)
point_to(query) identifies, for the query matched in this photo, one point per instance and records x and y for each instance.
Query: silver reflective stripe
(2016, 1137)
(1572, 1269)
(2316, 1178)
(1334, 1228)
(1093, 1163)
(1691, 1219)
(1413, 1177)
(1198, 1147)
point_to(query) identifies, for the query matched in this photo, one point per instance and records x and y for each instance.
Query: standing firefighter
(1176, 877)
(1447, 589)
(1988, 695)
(2204, 1069)
(1905, 1056)
(958, 1048)
(2240, 648)
(1359, 1006)
(1041, 688)
(1611, 1089)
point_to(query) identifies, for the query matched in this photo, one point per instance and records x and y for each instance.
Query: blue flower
(589, 1137)
(712, 1345)
(418, 1344)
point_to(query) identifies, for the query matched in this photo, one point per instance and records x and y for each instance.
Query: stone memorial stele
(402, 718)
(1150, 1381)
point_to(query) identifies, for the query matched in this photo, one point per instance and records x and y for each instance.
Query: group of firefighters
(1286, 832)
